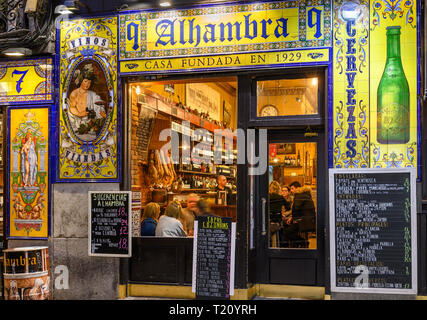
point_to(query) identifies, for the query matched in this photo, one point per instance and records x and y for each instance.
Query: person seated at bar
(203, 208)
(190, 213)
(223, 193)
(276, 202)
(286, 193)
(169, 224)
(303, 217)
(149, 219)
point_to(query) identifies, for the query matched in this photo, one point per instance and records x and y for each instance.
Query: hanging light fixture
(17, 52)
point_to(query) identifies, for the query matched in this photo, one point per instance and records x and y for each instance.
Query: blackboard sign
(110, 225)
(213, 257)
(373, 230)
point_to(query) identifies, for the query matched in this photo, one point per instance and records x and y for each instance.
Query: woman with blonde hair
(149, 220)
(276, 201)
(169, 224)
(274, 187)
(275, 206)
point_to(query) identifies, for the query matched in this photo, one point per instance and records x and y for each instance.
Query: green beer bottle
(393, 95)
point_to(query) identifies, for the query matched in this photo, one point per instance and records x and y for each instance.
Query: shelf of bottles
(199, 154)
(288, 161)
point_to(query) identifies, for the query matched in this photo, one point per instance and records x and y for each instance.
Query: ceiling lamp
(17, 52)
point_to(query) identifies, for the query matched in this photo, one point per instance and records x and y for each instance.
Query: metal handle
(263, 202)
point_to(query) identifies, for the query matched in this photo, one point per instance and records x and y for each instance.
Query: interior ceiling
(230, 83)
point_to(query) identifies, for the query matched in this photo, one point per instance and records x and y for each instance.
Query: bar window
(201, 167)
(287, 97)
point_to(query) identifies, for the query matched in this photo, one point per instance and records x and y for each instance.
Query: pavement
(254, 298)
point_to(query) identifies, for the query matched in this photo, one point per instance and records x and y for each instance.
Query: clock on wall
(269, 111)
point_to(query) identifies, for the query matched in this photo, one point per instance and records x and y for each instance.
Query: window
(200, 167)
(287, 97)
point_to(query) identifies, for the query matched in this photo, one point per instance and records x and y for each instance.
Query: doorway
(292, 207)
(289, 198)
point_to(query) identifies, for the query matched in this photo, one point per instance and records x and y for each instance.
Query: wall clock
(269, 111)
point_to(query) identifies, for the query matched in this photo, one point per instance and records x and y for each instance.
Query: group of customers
(176, 221)
(292, 213)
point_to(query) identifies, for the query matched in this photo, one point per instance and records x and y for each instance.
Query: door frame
(257, 272)
(264, 252)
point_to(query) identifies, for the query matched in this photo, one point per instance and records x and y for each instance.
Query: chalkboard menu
(146, 119)
(373, 231)
(213, 257)
(110, 224)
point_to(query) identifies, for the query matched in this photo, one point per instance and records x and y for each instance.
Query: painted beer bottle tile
(393, 95)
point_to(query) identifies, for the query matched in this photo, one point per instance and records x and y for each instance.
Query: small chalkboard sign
(213, 257)
(373, 230)
(110, 224)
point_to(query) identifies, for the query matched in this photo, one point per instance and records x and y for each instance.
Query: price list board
(213, 257)
(373, 230)
(110, 224)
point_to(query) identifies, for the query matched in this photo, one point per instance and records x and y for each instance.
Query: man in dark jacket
(303, 217)
(203, 208)
(303, 210)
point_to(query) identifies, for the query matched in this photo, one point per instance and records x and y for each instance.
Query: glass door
(291, 210)
(289, 198)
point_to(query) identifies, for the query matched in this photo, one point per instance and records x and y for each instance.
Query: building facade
(269, 96)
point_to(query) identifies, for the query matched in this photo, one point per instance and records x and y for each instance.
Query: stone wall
(89, 277)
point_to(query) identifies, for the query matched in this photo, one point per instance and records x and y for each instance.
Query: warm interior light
(14, 54)
(17, 52)
(276, 160)
(314, 81)
(138, 90)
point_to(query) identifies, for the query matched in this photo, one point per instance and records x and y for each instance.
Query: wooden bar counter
(224, 211)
